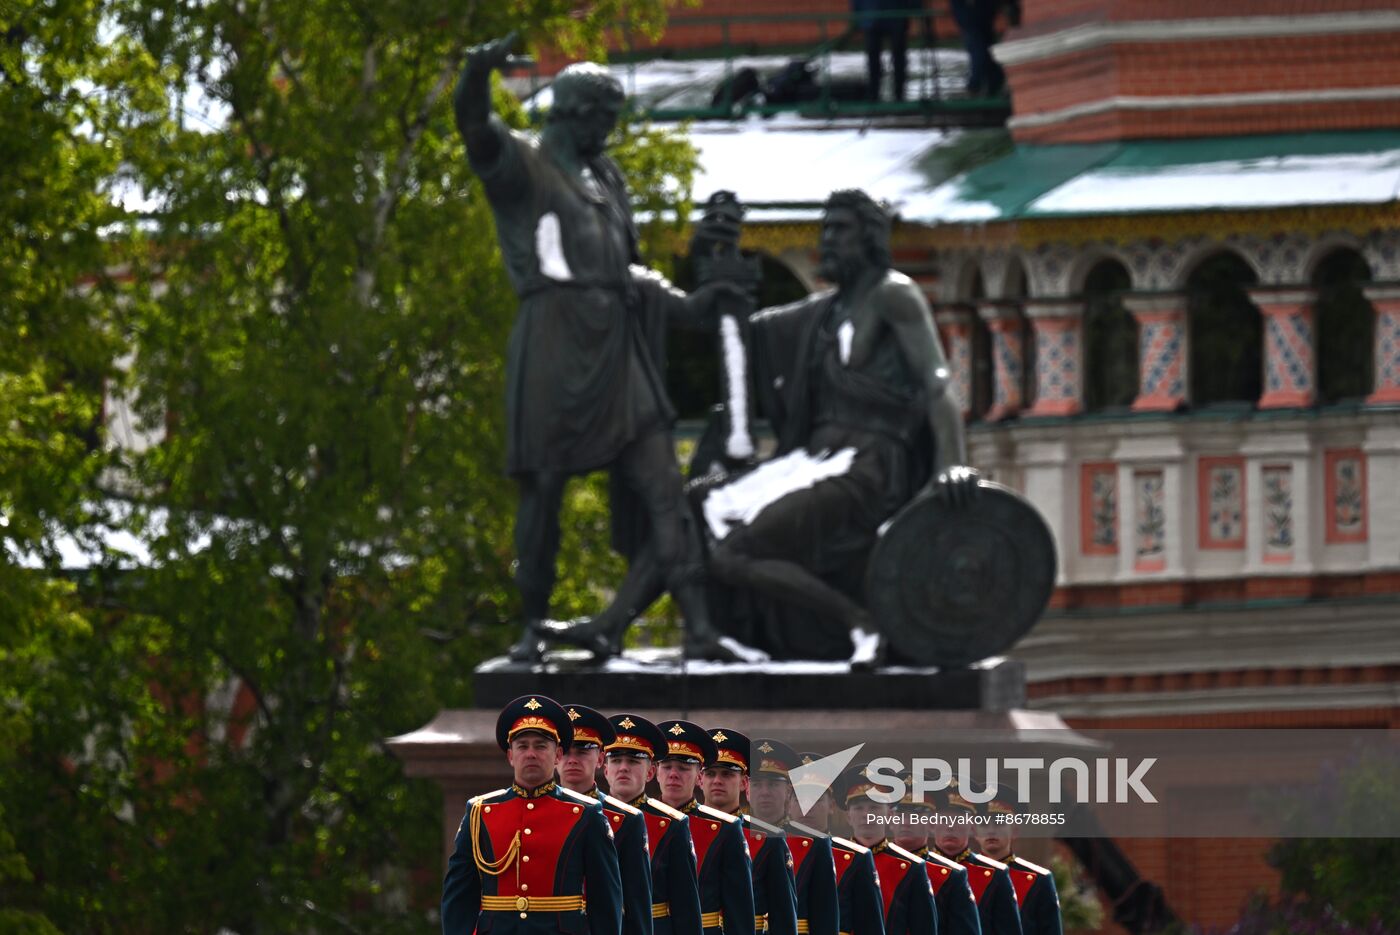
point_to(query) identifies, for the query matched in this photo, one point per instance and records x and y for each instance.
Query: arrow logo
(810, 780)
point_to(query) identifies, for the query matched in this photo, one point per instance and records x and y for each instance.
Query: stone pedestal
(821, 703)
(658, 680)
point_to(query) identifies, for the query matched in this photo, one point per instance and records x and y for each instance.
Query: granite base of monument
(661, 679)
(457, 749)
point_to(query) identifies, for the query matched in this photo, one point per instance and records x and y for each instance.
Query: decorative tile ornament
(1277, 482)
(1098, 508)
(1220, 503)
(1058, 363)
(1387, 347)
(1162, 348)
(1289, 369)
(1007, 350)
(1149, 520)
(955, 328)
(1345, 489)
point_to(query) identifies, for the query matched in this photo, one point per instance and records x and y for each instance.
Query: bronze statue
(856, 387)
(584, 390)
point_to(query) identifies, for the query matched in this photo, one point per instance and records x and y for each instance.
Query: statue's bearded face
(593, 124)
(843, 246)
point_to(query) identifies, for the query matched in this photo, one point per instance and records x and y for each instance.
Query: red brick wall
(1233, 121)
(1207, 881)
(1208, 67)
(1383, 718)
(685, 32)
(1186, 593)
(1202, 67)
(1047, 15)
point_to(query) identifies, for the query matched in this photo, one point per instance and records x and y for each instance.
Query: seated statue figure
(856, 387)
(855, 384)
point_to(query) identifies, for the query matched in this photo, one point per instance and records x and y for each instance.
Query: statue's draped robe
(585, 363)
(581, 381)
(819, 408)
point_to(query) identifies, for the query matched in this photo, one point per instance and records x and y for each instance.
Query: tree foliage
(1080, 909)
(55, 352)
(1338, 885)
(1344, 885)
(313, 314)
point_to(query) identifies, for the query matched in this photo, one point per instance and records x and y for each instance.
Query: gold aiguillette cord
(496, 867)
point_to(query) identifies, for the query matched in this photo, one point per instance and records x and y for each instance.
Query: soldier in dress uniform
(725, 780)
(578, 772)
(813, 867)
(907, 897)
(989, 879)
(860, 910)
(1034, 884)
(723, 868)
(526, 853)
(629, 764)
(952, 896)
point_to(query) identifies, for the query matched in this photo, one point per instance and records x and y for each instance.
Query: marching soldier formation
(905, 893)
(813, 864)
(724, 871)
(578, 772)
(775, 903)
(1035, 885)
(553, 853)
(988, 878)
(952, 897)
(629, 764)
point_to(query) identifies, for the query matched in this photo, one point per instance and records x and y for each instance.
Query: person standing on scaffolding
(876, 20)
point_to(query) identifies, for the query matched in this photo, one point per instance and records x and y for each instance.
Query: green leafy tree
(56, 351)
(1346, 884)
(1338, 885)
(315, 316)
(1080, 909)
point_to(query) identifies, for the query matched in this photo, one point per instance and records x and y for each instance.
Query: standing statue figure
(856, 387)
(583, 388)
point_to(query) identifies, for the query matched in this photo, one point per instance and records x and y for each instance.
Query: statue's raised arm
(471, 102)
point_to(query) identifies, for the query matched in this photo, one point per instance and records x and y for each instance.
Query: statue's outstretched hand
(490, 56)
(713, 299)
(957, 485)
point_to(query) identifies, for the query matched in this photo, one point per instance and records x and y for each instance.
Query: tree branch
(258, 698)
(388, 199)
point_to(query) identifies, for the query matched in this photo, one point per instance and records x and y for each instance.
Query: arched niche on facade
(1110, 337)
(692, 357)
(982, 370)
(1017, 291)
(1344, 325)
(1226, 331)
(964, 277)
